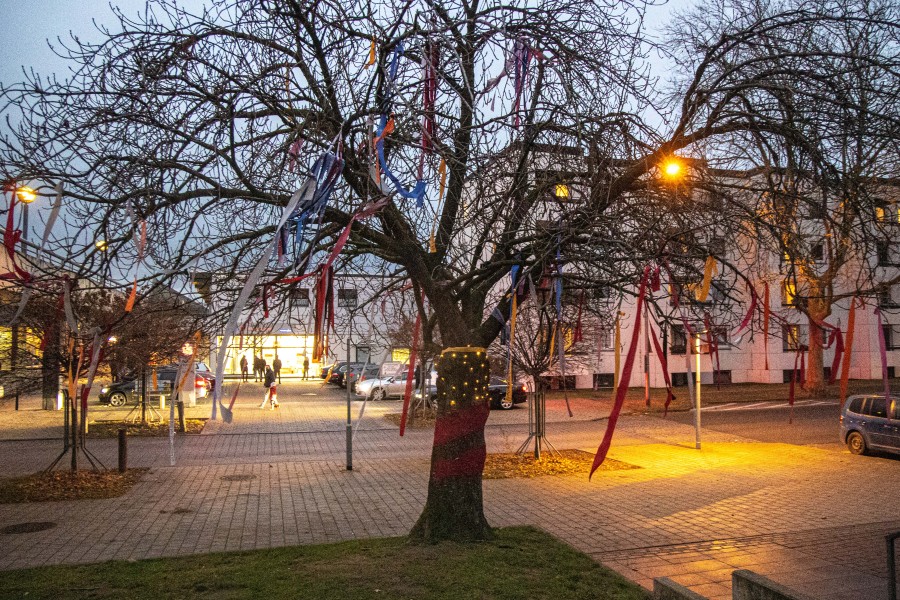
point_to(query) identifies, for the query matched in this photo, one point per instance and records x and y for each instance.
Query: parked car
(354, 376)
(333, 370)
(127, 391)
(496, 390)
(337, 375)
(865, 424)
(380, 388)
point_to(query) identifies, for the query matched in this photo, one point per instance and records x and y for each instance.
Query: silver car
(382, 387)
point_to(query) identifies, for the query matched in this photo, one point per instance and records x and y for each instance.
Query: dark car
(127, 391)
(871, 422)
(338, 374)
(497, 391)
(354, 376)
(120, 393)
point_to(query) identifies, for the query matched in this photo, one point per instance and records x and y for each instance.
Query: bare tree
(806, 96)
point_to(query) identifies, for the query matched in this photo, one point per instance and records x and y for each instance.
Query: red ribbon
(624, 379)
(410, 371)
(749, 315)
(665, 369)
(882, 347)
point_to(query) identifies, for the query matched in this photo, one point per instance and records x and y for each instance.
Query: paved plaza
(810, 517)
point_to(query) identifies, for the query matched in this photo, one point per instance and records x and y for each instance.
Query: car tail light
(200, 382)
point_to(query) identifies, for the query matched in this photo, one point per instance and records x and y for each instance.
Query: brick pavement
(810, 518)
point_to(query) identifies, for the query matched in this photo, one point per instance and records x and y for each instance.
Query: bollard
(17, 400)
(180, 406)
(123, 451)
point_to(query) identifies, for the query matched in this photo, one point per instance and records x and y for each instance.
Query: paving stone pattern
(811, 518)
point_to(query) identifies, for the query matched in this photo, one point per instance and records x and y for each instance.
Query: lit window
(793, 336)
(562, 191)
(788, 293)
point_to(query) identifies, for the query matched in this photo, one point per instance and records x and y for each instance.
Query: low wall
(747, 585)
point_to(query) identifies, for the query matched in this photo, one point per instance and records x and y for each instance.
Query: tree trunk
(454, 509)
(50, 365)
(819, 310)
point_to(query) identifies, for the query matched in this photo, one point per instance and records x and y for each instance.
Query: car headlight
(104, 390)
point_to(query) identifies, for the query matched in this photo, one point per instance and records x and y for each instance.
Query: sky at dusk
(28, 24)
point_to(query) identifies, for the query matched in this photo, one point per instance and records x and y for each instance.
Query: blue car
(871, 422)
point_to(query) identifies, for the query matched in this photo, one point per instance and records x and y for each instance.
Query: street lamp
(26, 194)
(100, 245)
(673, 169)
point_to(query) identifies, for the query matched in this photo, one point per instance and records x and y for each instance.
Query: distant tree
(805, 96)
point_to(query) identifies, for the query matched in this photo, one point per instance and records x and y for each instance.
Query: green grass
(520, 563)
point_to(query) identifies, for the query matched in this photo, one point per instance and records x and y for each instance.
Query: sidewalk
(809, 518)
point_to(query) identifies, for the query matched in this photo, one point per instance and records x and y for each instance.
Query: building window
(561, 191)
(556, 382)
(886, 297)
(679, 379)
(604, 380)
(817, 252)
(788, 293)
(891, 337)
(887, 212)
(794, 336)
(679, 340)
(720, 334)
(363, 354)
(347, 297)
(883, 252)
(300, 297)
(607, 339)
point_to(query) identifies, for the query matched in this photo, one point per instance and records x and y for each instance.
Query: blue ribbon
(418, 192)
(326, 171)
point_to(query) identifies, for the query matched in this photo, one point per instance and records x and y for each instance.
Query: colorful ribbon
(622, 389)
(848, 350)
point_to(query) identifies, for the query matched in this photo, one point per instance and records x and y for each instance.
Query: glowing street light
(26, 194)
(100, 245)
(673, 168)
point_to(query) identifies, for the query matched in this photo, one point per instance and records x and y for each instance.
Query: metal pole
(697, 402)
(349, 416)
(892, 566)
(123, 451)
(172, 430)
(646, 355)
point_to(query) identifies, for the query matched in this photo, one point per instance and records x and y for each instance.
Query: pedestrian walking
(276, 367)
(259, 368)
(271, 394)
(244, 376)
(305, 367)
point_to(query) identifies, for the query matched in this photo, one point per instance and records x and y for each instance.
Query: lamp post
(26, 196)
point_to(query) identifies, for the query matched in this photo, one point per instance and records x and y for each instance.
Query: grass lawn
(520, 563)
